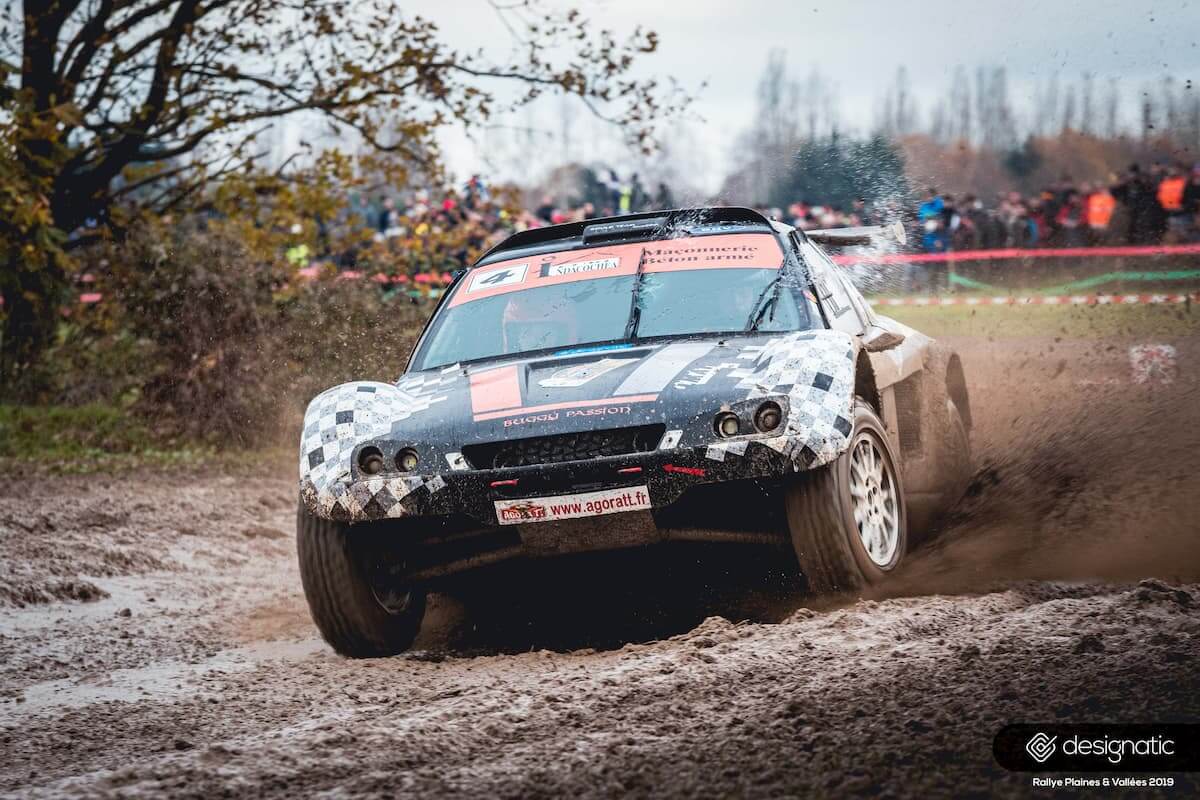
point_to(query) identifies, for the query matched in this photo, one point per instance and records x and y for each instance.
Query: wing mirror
(877, 339)
(867, 234)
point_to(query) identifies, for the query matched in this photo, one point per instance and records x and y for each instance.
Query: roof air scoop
(623, 229)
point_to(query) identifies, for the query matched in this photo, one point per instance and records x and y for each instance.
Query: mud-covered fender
(895, 364)
(340, 419)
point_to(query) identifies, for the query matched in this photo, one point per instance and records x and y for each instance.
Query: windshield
(586, 296)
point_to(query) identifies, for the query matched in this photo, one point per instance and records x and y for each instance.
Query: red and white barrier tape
(1041, 300)
(1033, 300)
(1019, 253)
(312, 273)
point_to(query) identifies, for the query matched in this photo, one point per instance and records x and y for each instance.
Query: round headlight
(768, 416)
(406, 460)
(370, 460)
(726, 424)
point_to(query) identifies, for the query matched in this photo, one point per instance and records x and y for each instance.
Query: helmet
(528, 324)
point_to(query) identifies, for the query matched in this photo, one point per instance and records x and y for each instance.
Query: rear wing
(869, 234)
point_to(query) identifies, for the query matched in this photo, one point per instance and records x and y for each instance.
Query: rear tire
(957, 455)
(949, 424)
(849, 528)
(340, 596)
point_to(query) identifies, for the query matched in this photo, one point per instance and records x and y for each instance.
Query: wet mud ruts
(1065, 587)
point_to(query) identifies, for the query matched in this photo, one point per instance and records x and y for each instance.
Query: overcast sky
(859, 45)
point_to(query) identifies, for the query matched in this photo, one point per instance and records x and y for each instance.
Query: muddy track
(153, 638)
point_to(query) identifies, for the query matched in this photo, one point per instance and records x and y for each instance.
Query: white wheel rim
(876, 503)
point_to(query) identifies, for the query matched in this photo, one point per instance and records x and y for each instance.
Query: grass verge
(97, 438)
(1075, 322)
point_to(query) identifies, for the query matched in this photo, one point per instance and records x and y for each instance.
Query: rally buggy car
(706, 374)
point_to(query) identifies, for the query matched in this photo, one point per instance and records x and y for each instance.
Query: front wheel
(848, 519)
(348, 611)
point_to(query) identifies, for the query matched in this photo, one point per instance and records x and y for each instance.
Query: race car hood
(679, 385)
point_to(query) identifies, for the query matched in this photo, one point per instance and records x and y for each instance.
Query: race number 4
(500, 276)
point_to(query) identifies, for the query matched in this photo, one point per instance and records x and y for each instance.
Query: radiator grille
(558, 448)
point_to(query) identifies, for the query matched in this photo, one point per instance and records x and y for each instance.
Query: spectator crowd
(433, 232)
(427, 231)
(1160, 205)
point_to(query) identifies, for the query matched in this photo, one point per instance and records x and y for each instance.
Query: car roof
(644, 226)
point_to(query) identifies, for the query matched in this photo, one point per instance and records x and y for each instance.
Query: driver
(527, 325)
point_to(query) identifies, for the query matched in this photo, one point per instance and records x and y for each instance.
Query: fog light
(407, 459)
(727, 424)
(768, 416)
(370, 460)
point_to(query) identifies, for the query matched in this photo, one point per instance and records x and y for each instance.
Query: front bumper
(667, 474)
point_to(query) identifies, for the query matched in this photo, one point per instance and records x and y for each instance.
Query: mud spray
(1086, 469)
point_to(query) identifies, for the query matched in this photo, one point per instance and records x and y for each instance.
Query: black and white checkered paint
(433, 411)
(815, 369)
(341, 418)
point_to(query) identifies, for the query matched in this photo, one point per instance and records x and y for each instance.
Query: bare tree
(960, 120)
(897, 114)
(1191, 115)
(1087, 106)
(906, 107)
(1171, 118)
(108, 102)
(1112, 110)
(818, 100)
(137, 81)
(1046, 117)
(939, 126)
(1146, 109)
(778, 103)
(766, 147)
(993, 111)
(1068, 109)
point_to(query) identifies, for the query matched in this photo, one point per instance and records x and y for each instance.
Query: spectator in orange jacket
(1099, 205)
(1170, 199)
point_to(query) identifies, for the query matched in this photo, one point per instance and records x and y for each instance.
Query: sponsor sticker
(580, 374)
(572, 506)
(500, 276)
(576, 267)
(702, 375)
(1153, 363)
(599, 411)
(531, 419)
